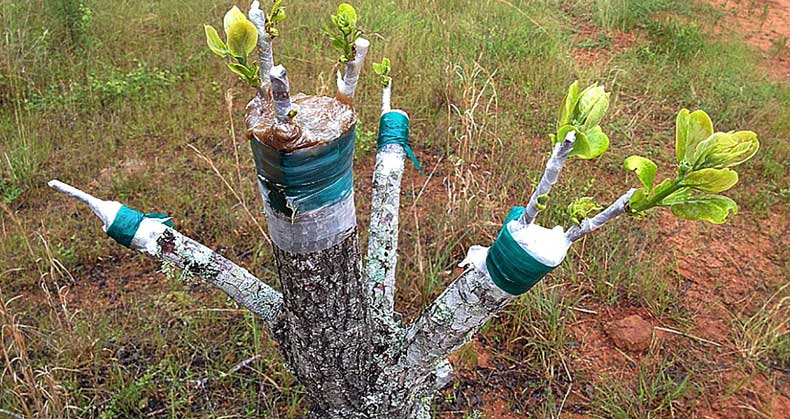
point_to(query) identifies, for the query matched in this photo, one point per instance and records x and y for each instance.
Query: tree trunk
(327, 335)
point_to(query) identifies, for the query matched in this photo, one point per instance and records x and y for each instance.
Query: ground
(657, 317)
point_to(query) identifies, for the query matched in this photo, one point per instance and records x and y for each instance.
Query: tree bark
(327, 336)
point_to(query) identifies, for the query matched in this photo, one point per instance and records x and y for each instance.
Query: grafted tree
(334, 319)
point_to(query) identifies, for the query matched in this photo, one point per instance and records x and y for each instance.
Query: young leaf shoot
(241, 36)
(704, 170)
(383, 70)
(277, 14)
(344, 31)
(582, 112)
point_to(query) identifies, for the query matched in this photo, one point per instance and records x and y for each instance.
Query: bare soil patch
(765, 24)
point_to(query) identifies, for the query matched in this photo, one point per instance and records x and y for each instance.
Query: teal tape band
(306, 179)
(394, 129)
(513, 269)
(128, 220)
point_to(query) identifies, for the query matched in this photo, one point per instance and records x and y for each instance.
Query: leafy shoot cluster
(581, 111)
(383, 70)
(242, 36)
(344, 31)
(705, 159)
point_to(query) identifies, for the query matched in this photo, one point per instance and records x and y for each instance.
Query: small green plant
(778, 45)
(344, 31)
(77, 19)
(9, 191)
(581, 112)
(704, 160)
(675, 39)
(242, 36)
(383, 70)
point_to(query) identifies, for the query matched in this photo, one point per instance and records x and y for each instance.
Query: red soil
(765, 24)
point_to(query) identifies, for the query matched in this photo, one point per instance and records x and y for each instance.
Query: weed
(764, 334)
(76, 19)
(626, 14)
(365, 142)
(656, 392)
(778, 46)
(141, 82)
(675, 39)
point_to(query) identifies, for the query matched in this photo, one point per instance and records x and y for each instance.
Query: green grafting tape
(512, 268)
(128, 220)
(394, 129)
(308, 178)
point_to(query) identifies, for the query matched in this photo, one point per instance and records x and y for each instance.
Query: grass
(656, 392)
(109, 95)
(762, 338)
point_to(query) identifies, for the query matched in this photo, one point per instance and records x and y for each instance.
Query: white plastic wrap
(311, 231)
(347, 81)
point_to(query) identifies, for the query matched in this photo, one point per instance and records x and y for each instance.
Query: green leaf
(644, 169)
(215, 44)
(724, 150)
(597, 112)
(239, 69)
(638, 199)
(542, 201)
(711, 180)
(681, 134)
(242, 34)
(587, 99)
(382, 68)
(680, 193)
(232, 16)
(568, 105)
(590, 144)
(278, 12)
(699, 129)
(713, 208)
(662, 187)
(338, 43)
(346, 12)
(581, 208)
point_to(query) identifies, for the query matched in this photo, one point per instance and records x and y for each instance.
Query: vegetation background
(123, 98)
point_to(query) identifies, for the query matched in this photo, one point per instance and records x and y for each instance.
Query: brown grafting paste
(319, 119)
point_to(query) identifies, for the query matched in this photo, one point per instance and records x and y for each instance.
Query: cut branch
(549, 178)
(265, 54)
(382, 254)
(386, 97)
(164, 243)
(588, 225)
(451, 321)
(280, 93)
(382, 257)
(347, 83)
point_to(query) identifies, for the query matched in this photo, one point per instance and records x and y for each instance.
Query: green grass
(109, 94)
(656, 392)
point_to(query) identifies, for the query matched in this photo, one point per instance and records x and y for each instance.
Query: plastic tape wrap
(511, 267)
(306, 179)
(128, 220)
(394, 129)
(308, 193)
